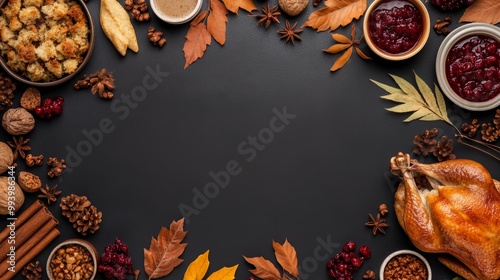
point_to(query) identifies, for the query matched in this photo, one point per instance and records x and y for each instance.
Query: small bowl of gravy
(176, 11)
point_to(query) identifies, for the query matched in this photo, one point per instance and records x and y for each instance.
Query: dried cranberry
(395, 26)
(343, 264)
(50, 108)
(364, 251)
(449, 5)
(473, 68)
(349, 246)
(115, 261)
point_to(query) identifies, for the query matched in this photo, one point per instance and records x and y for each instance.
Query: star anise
(290, 32)
(268, 15)
(49, 193)
(19, 145)
(378, 224)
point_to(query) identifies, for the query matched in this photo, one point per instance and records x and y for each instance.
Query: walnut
(156, 37)
(29, 182)
(10, 193)
(293, 7)
(56, 166)
(6, 157)
(18, 121)
(31, 98)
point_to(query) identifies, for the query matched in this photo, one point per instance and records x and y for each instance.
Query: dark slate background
(314, 182)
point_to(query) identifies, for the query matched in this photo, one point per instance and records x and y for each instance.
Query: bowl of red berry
(468, 66)
(396, 29)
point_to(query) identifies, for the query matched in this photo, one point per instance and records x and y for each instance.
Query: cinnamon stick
(27, 230)
(24, 260)
(25, 215)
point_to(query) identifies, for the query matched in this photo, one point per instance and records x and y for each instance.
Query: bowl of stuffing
(45, 43)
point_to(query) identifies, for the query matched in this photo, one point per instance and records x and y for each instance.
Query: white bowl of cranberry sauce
(468, 66)
(396, 29)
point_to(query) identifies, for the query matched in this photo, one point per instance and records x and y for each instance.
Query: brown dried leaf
(487, 11)
(337, 48)
(287, 257)
(234, 5)
(336, 13)
(216, 22)
(264, 269)
(342, 60)
(341, 38)
(196, 43)
(164, 252)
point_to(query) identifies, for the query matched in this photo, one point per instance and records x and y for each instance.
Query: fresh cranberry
(357, 262)
(395, 26)
(473, 68)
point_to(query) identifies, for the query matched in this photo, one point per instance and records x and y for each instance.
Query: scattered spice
(138, 9)
(7, 88)
(32, 160)
(32, 271)
(369, 274)
(441, 25)
(268, 15)
(378, 224)
(101, 82)
(19, 146)
(382, 209)
(49, 193)
(405, 266)
(156, 37)
(56, 166)
(291, 33)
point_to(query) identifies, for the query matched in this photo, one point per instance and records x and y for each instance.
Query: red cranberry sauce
(473, 68)
(395, 26)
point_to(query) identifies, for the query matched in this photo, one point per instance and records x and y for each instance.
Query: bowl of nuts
(468, 66)
(405, 264)
(396, 29)
(72, 259)
(45, 43)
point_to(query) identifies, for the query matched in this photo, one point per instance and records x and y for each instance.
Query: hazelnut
(293, 7)
(29, 182)
(6, 157)
(31, 98)
(10, 193)
(18, 121)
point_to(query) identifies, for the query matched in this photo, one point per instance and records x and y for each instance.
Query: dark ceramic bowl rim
(405, 55)
(86, 59)
(84, 243)
(449, 41)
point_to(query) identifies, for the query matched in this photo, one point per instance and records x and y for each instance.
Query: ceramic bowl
(402, 253)
(170, 18)
(83, 243)
(422, 40)
(451, 39)
(65, 78)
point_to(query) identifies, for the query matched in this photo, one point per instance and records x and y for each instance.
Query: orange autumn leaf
(264, 269)
(216, 22)
(345, 44)
(287, 257)
(342, 60)
(234, 5)
(336, 13)
(164, 252)
(197, 40)
(487, 11)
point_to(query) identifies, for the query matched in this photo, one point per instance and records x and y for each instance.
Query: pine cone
(33, 271)
(444, 149)
(73, 205)
(489, 132)
(471, 128)
(425, 143)
(7, 88)
(88, 221)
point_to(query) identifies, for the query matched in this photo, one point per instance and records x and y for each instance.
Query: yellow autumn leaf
(225, 273)
(198, 268)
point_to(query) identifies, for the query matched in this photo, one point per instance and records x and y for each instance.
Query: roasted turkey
(451, 208)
